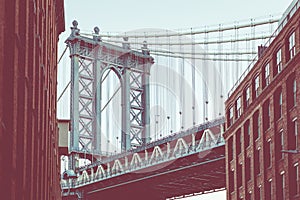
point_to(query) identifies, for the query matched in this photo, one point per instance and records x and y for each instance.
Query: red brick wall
(29, 163)
(285, 165)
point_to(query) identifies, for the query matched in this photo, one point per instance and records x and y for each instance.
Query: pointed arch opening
(110, 110)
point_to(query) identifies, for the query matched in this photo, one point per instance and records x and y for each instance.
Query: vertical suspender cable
(271, 25)
(206, 76)
(253, 35)
(181, 86)
(106, 110)
(193, 76)
(236, 33)
(169, 105)
(220, 71)
(156, 93)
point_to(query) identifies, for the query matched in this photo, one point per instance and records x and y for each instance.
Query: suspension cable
(62, 55)
(232, 27)
(205, 53)
(203, 58)
(111, 98)
(200, 42)
(63, 91)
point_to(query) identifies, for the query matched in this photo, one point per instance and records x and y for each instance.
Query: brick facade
(29, 163)
(264, 120)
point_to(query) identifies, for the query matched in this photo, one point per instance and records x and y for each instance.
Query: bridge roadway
(189, 162)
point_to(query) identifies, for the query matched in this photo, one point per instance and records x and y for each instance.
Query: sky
(129, 15)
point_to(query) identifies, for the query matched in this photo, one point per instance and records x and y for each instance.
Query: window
(268, 154)
(268, 187)
(294, 92)
(296, 133)
(278, 61)
(281, 134)
(239, 175)
(292, 47)
(230, 116)
(294, 180)
(258, 192)
(293, 135)
(291, 88)
(238, 142)
(266, 115)
(231, 181)
(278, 104)
(247, 133)
(281, 185)
(267, 74)
(248, 169)
(256, 86)
(238, 107)
(249, 195)
(257, 162)
(247, 97)
(279, 145)
(230, 148)
(256, 126)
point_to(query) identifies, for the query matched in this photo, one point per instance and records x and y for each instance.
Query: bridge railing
(169, 138)
(195, 142)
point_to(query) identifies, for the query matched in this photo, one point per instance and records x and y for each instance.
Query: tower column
(125, 138)
(146, 104)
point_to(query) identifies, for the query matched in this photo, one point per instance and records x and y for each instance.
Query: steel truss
(90, 59)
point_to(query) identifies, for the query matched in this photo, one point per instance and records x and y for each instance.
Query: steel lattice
(90, 58)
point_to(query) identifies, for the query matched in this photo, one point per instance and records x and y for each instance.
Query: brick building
(29, 163)
(262, 121)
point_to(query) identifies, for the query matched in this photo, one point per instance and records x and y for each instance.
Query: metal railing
(88, 175)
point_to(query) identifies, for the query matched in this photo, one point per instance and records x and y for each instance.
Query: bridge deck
(186, 175)
(185, 163)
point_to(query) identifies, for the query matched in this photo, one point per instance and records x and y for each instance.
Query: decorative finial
(96, 30)
(126, 44)
(145, 49)
(75, 24)
(145, 45)
(75, 30)
(125, 39)
(96, 37)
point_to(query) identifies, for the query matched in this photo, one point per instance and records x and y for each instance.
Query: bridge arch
(110, 117)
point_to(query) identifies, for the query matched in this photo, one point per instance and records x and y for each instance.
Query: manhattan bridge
(147, 106)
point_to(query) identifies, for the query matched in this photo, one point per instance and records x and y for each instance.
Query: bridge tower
(90, 58)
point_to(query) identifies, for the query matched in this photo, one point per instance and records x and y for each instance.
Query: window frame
(247, 97)
(257, 86)
(281, 132)
(280, 104)
(292, 45)
(239, 110)
(279, 60)
(294, 92)
(295, 133)
(231, 115)
(267, 74)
